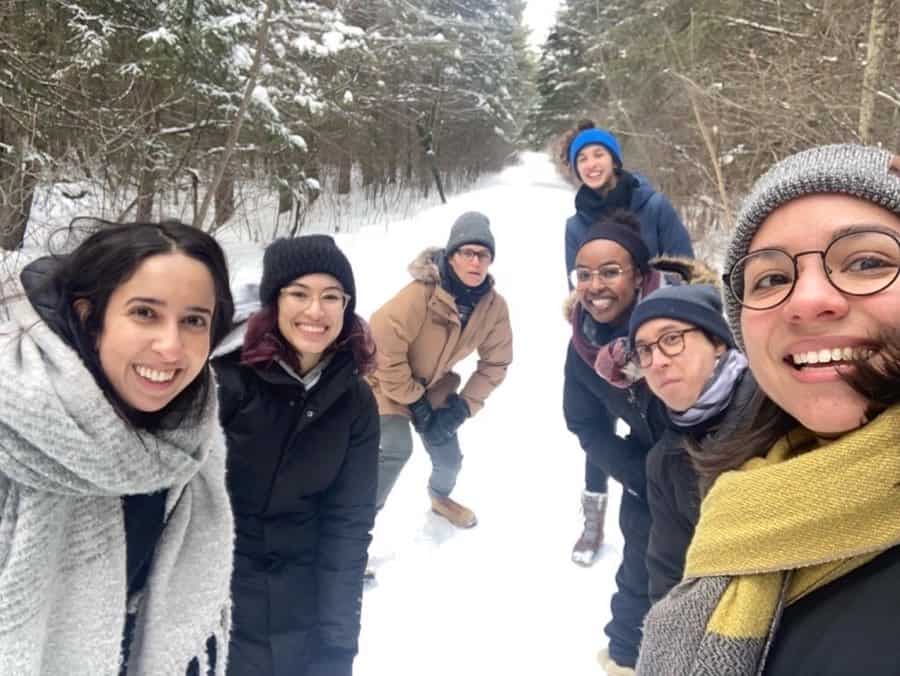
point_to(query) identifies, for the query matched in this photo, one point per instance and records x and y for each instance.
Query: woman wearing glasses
(595, 159)
(795, 565)
(450, 310)
(612, 272)
(687, 355)
(302, 432)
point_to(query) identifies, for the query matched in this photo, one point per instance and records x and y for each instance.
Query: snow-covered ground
(504, 597)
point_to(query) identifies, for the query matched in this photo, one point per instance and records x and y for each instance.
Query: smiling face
(605, 299)
(311, 316)
(596, 167)
(156, 330)
(470, 262)
(678, 380)
(796, 349)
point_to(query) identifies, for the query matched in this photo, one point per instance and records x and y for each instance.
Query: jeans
(396, 448)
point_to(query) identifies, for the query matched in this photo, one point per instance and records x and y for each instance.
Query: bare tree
(262, 39)
(878, 28)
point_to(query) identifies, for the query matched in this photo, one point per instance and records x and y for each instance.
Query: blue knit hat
(699, 305)
(593, 136)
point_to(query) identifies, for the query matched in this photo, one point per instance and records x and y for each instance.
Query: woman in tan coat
(448, 311)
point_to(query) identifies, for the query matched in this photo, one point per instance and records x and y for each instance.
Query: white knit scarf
(66, 458)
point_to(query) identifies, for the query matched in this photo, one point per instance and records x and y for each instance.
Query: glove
(421, 413)
(446, 421)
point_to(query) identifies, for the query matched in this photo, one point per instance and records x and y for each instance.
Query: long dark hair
(876, 379)
(106, 260)
(264, 344)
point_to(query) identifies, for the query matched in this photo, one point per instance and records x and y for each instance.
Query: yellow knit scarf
(819, 514)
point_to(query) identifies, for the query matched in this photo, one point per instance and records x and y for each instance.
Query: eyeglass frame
(679, 332)
(726, 277)
(469, 254)
(595, 272)
(293, 298)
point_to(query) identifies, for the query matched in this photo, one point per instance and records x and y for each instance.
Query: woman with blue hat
(595, 158)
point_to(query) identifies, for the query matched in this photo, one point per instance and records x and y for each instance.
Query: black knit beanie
(286, 259)
(624, 229)
(699, 305)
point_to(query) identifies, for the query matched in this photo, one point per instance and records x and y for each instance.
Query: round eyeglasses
(608, 274)
(331, 300)
(860, 263)
(671, 344)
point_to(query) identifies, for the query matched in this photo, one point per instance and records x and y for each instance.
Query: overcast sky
(539, 15)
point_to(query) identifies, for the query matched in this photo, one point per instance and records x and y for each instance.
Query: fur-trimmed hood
(685, 270)
(425, 268)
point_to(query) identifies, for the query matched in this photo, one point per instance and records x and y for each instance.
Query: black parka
(302, 474)
(591, 407)
(673, 494)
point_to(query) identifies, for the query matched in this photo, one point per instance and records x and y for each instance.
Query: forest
(175, 108)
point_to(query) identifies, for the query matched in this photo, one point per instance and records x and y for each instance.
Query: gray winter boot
(586, 550)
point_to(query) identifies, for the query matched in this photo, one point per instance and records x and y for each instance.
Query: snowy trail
(503, 597)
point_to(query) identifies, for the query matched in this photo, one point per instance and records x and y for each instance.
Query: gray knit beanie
(859, 171)
(473, 227)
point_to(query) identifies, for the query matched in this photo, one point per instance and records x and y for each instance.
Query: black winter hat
(697, 304)
(286, 259)
(473, 227)
(623, 228)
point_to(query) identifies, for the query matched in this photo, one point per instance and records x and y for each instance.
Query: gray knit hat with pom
(866, 172)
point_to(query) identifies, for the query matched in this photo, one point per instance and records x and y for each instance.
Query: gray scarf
(66, 458)
(716, 393)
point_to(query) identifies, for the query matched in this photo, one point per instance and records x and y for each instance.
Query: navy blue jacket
(661, 227)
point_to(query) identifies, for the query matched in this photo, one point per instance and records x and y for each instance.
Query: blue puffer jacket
(661, 227)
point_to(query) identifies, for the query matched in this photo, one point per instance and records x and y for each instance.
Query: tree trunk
(146, 193)
(344, 167)
(262, 39)
(874, 54)
(224, 208)
(17, 184)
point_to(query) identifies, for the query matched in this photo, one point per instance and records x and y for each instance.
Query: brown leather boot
(455, 513)
(586, 550)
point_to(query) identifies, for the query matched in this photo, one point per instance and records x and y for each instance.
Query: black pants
(595, 479)
(631, 601)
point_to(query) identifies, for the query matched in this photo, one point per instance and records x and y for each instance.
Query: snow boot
(611, 667)
(455, 513)
(586, 550)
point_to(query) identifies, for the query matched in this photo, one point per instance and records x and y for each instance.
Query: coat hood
(425, 268)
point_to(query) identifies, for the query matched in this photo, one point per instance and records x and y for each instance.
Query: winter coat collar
(592, 205)
(640, 192)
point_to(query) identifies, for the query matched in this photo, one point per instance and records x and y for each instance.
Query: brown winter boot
(455, 513)
(586, 550)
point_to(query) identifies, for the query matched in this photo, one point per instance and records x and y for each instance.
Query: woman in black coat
(302, 432)
(687, 355)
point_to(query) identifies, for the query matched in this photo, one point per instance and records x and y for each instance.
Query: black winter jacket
(849, 626)
(591, 407)
(673, 493)
(302, 474)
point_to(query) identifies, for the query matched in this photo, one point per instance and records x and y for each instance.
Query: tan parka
(419, 339)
